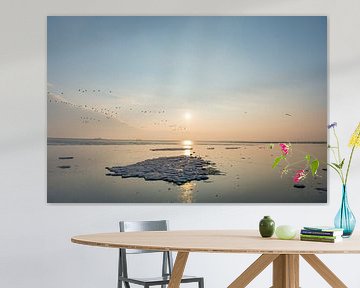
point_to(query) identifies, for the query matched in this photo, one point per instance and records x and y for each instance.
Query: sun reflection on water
(187, 145)
(187, 192)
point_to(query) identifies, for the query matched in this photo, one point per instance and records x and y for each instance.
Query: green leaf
(308, 157)
(271, 146)
(342, 164)
(336, 165)
(277, 161)
(314, 167)
(333, 167)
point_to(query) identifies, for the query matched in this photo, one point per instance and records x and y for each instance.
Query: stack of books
(321, 234)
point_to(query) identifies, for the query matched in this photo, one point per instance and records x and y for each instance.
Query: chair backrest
(137, 226)
(134, 226)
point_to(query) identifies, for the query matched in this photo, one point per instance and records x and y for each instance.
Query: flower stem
(337, 142)
(351, 155)
(337, 171)
(348, 167)
(333, 152)
(339, 160)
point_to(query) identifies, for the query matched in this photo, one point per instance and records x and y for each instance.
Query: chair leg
(201, 283)
(119, 270)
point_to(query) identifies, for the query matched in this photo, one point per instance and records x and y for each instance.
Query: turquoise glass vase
(345, 219)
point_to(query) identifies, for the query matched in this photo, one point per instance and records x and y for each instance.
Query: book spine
(319, 233)
(317, 239)
(319, 236)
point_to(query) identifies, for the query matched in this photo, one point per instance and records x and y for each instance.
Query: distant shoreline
(103, 141)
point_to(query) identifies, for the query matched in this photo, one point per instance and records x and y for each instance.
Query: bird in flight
(287, 114)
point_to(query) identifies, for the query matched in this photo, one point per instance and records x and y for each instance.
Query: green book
(325, 240)
(319, 236)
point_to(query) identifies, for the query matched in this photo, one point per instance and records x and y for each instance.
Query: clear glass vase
(345, 219)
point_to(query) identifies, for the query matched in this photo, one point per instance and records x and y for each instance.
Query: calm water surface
(248, 177)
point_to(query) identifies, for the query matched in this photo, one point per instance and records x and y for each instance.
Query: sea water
(248, 176)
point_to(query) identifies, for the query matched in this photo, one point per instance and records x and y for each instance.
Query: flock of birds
(93, 90)
(114, 112)
(86, 120)
(108, 113)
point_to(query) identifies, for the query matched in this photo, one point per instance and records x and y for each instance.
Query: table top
(216, 241)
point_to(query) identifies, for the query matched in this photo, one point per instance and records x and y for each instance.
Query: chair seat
(158, 280)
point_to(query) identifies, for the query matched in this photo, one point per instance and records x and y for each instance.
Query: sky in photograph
(198, 78)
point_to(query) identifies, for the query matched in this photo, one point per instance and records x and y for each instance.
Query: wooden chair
(167, 262)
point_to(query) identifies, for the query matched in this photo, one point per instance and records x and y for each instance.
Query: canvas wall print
(165, 109)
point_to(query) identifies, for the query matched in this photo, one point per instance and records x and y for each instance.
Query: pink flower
(284, 148)
(299, 175)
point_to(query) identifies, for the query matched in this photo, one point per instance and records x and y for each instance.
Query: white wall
(35, 248)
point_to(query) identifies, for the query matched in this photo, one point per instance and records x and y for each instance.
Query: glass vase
(345, 219)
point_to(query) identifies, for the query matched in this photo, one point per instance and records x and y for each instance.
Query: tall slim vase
(345, 219)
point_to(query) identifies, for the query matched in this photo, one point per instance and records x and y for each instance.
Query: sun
(187, 143)
(187, 116)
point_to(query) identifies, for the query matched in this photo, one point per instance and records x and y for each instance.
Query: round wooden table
(284, 254)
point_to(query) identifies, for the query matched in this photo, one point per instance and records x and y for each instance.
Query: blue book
(322, 231)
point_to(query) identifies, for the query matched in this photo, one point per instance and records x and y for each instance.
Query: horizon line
(179, 140)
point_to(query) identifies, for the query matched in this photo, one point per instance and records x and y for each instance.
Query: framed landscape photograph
(200, 109)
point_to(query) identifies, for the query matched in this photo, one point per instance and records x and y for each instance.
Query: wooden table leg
(178, 269)
(253, 270)
(324, 271)
(286, 271)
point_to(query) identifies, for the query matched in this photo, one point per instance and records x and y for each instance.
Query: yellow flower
(355, 138)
